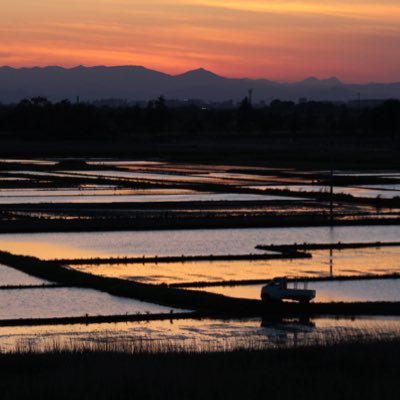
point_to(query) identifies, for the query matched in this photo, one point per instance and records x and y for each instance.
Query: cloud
(6, 54)
(276, 39)
(350, 8)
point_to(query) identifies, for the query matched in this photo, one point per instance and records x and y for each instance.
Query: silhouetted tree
(244, 114)
(38, 115)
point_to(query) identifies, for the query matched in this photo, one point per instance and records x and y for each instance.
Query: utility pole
(331, 181)
(331, 196)
(250, 96)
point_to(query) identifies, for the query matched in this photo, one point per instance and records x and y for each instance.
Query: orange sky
(355, 40)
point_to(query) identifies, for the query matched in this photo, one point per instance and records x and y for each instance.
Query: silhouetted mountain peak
(199, 73)
(138, 83)
(332, 81)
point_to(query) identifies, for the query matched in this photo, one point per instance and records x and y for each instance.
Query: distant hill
(135, 83)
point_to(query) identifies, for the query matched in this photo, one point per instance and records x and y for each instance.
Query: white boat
(277, 290)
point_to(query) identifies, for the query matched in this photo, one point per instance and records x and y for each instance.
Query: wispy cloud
(350, 8)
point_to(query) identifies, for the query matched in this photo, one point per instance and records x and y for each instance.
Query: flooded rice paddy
(350, 262)
(12, 277)
(106, 181)
(126, 196)
(184, 242)
(69, 302)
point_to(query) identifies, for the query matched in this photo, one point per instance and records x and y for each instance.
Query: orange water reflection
(43, 249)
(188, 242)
(351, 262)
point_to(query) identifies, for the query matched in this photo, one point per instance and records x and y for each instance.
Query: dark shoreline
(249, 282)
(100, 319)
(183, 259)
(15, 227)
(28, 287)
(274, 313)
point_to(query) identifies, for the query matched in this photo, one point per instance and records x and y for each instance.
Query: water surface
(122, 197)
(349, 262)
(12, 277)
(186, 242)
(69, 302)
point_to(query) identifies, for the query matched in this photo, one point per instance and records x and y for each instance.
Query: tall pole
(331, 183)
(251, 96)
(331, 197)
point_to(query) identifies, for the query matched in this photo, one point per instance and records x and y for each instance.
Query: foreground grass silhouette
(353, 370)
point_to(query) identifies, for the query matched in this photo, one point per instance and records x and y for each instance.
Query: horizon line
(332, 77)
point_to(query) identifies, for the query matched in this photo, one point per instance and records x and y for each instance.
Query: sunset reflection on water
(351, 262)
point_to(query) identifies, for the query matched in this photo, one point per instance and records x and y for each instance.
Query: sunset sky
(355, 40)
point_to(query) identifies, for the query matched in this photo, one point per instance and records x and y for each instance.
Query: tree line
(65, 119)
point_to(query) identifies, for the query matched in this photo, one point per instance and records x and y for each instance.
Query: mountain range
(136, 83)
